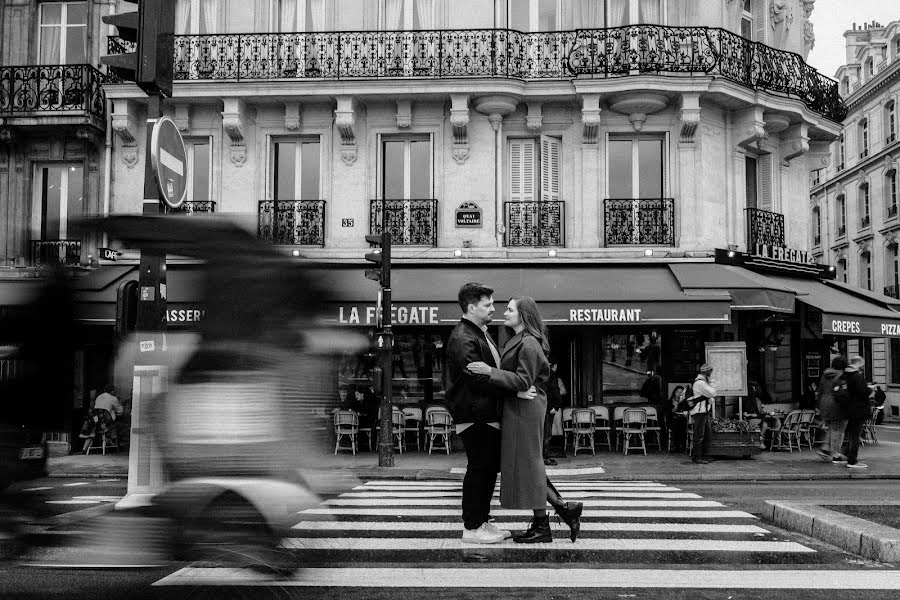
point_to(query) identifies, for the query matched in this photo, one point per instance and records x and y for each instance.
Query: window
(751, 176)
(845, 86)
(406, 170)
(864, 138)
(892, 275)
(864, 215)
(626, 353)
(865, 270)
(636, 167)
(399, 15)
(842, 269)
(841, 153)
(585, 14)
(870, 68)
(633, 12)
(895, 360)
(534, 15)
(197, 16)
(890, 122)
(199, 170)
(58, 196)
(63, 33)
(295, 169)
(841, 209)
(890, 190)
(527, 157)
(817, 226)
(747, 20)
(298, 15)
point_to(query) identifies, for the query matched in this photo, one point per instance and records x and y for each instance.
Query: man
(704, 393)
(857, 409)
(831, 395)
(473, 403)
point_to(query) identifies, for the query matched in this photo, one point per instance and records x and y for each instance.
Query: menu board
(729, 362)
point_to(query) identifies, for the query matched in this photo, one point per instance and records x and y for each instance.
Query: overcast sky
(831, 18)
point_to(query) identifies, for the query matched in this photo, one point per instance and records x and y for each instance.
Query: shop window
(841, 210)
(295, 169)
(527, 159)
(865, 271)
(62, 35)
(863, 206)
(198, 16)
(406, 15)
(58, 197)
(863, 133)
(199, 170)
(406, 168)
(890, 122)
(626, 359)
(895, 360)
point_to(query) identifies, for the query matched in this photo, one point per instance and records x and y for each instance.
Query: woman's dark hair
(676, 392)
(109, 388)
(531, 319)
(839, 363)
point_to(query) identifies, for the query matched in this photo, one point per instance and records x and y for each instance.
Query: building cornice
(852, 172)
(857, 99)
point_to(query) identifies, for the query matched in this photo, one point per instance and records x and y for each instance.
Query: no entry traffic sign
(169, 162)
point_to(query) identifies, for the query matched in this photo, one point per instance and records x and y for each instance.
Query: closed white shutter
(521, 170)
(766, 190)
(550, 149)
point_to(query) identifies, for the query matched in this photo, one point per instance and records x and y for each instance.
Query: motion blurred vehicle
(23, 454)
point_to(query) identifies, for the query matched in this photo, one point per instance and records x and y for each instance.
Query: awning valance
(749, 290)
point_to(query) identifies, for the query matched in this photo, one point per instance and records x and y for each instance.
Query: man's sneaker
(469, 534)
(825, 456)
(838, 461)
(494, 529)
(858, 465)
(486, 535)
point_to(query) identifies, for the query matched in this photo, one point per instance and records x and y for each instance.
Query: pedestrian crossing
(408, 534)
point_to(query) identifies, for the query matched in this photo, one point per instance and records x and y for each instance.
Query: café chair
(583, 427)
(602, 424)
(618, 415)
(788, 431)
(413, 422)
(398, 428)
(689, 434)
(804, 428)
(568, 428)
(868, 431)
(438, 426)
(346, 426)
(634, 424)
(653, 425)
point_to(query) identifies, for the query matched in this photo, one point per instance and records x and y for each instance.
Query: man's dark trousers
(482, 444)
(702, 435)
(853, 436)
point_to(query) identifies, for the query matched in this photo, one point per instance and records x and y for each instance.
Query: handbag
(690, 403)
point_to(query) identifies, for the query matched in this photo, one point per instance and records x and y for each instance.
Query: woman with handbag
(700, 406)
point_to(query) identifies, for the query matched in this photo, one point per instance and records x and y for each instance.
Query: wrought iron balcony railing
(617, 51)
(410, 222)
(864, 222)
(535, 223)
(65, 253)
(764, 227)
(892, 211)
(864, 154)
(292, 222)
(841, 230)
(893, 291)
(891, 139)
(34, 90)
(191, 207)
(647, 221)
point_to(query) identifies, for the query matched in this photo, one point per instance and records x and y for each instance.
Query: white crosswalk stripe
(395, 522)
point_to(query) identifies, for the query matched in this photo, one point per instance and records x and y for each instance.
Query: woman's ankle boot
(527, 532)
(538, 533)
(570, 512)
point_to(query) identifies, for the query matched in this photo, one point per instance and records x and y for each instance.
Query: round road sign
(169, 161)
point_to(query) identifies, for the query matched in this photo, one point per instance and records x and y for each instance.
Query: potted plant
(732, 437)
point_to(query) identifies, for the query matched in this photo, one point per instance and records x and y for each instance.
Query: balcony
(644, 222)
(535, 224)
(864, 154)
(893, 291)
(292, 222)
(864, 222)
(611, 52)
(60, 92)
(410, 222)
(892, 211)
(65, 253)
(195, 207)
(764, 227)
(890, 139)
(841, 231)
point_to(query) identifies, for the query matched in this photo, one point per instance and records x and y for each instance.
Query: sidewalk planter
(734, 439)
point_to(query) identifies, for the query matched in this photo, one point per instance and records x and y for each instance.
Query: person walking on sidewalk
(523, 482)
(832, 389)
(473, 404)
(857, 409)
(556, 390)
(704, 393)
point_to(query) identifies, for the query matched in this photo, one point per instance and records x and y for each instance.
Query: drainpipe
(107, 169)
(496, 121)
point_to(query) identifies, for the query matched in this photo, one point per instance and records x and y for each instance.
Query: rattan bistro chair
(602, 425)
(438, 427)
(634, 424)
(787, 432)
(346, 426)
(653, 426)
(568, 428)
(804, 428)
(583, 427)
(413, 423)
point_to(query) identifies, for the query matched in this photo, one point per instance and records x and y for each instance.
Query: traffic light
(381, 255)
(152, 30)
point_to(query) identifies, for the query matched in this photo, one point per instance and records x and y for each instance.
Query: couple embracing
(498, 401)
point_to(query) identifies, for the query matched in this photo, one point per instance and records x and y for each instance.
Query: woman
(678, 420)
(524, 483)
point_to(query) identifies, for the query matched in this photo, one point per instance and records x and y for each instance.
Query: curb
(92, 475)
(865, 538)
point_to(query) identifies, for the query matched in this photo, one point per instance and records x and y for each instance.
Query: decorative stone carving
(781, 13)
(797, 140)
(809, 36)
(182, 117)
(459, 123)
(890, 237)
(124, 123)
(750, 129)
(865, 245)
(808, 6)
(689, 116)
(590, 118)
(234, 116)
(129, 155)
(534, 119)
(7, 135)
(819, 155)
(404, 114)
(344, 120)
(637, 105)
(292, 116)
(90, 136)
(495, 119)
(840, 253)
(19, 160)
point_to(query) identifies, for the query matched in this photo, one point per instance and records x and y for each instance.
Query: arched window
(890, 193)
(817, 226)
(865, 216)
(870, 68)
(863, 138)
(865, 270)
(892, 272)
(841, 214)
(842, 269)
(890, 122)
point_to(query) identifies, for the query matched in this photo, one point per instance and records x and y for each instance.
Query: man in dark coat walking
(857, 409)
(473, 403)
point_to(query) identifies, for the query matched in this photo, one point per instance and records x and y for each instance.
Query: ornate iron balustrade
(647, 221)
(196, 207)
(410, 222)
(893, 291)
(292, 222)
(611, 52)
(535, 223)
(66, 253)
(764, 227)
(52, 88)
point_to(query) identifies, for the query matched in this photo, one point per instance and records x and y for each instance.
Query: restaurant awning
(843, 312)
(749, 290)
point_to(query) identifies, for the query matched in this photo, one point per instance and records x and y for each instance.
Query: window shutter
(550, 149)
(521, 169)
(766, 199)
(760, 21)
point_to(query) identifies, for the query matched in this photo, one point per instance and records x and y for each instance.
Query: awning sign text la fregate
(400, 315)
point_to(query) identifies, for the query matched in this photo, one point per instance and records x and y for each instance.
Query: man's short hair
(472, 293)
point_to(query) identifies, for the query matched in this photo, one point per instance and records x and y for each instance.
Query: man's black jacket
(470, 398)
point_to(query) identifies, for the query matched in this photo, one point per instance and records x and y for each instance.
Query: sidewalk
(883, 460)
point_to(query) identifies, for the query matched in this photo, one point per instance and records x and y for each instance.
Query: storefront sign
(605, 315)
(176, 316)
(852, 325)
(401, 314)
(468, 215)
(783, 254)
